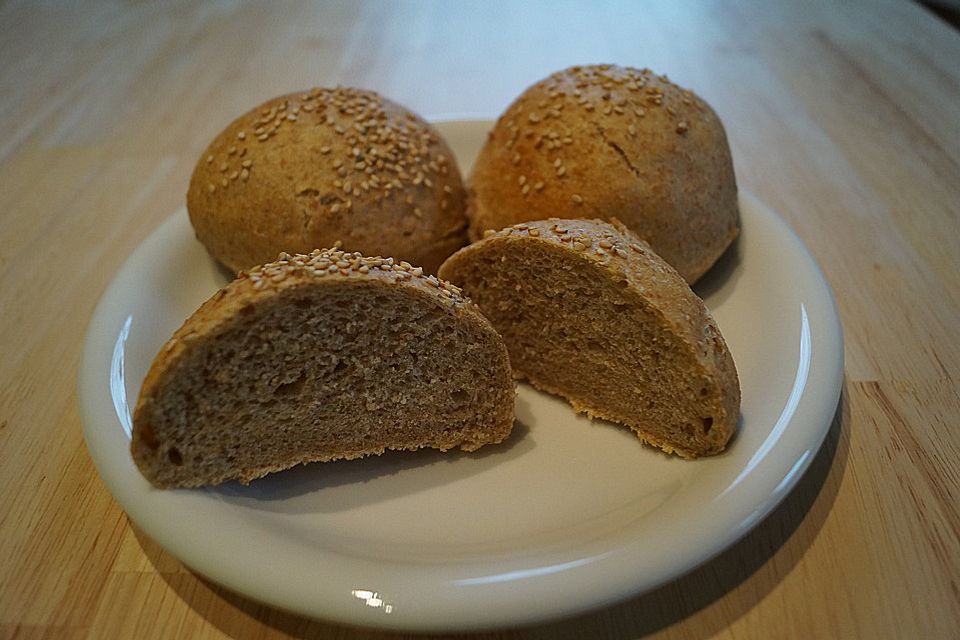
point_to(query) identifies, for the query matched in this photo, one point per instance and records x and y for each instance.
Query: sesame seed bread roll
(611, 142)
(589, 312)
(318, 357)
(304, 170)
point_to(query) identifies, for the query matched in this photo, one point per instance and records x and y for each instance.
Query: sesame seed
(525, 190)
(224, 182)
(324, 150)
(234, 175)
(209, 159)
(539, 185)
(232, 151)
(534, 232)
(211, 187)
(521, 180)
(245, 175)
(223, 167)
(681, 127)
(577, 198)
(579, 246)
(246, 164)
(561, 171)
(557, 163)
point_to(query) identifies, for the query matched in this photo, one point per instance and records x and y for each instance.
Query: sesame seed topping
(577, 198)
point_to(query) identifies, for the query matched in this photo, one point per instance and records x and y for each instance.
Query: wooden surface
(844, 117)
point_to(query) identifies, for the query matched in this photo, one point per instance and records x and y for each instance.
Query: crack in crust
(618, 150)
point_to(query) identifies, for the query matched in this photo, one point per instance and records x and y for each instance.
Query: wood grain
(844, 117)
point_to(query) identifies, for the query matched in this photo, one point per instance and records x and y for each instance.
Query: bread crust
(613, 254)
(305, 170)
(603, 141)
(320, 273)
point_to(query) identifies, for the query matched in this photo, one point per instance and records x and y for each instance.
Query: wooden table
(844, 117)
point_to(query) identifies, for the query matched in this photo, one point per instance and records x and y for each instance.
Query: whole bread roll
(320, 357)
(304, 170)
(609, 142)
(589, 312)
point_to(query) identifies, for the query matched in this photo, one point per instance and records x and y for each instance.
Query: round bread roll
(324, 356)
(612, 142)
(305, 170)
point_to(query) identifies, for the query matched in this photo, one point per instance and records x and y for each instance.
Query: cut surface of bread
(589, 312)
(319, 357)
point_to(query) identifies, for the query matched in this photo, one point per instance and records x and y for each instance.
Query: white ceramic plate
(567, 516)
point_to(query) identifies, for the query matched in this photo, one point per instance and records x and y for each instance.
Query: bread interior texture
(574, 329)
(326, 373)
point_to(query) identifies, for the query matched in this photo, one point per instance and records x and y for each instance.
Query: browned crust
(605, 142)
(304, 170)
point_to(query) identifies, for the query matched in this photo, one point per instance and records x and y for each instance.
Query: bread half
(320, 357)
(589, 312)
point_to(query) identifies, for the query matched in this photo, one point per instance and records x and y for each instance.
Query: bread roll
(589, 312)
(612, 142)
(305, 170)
(320, 357)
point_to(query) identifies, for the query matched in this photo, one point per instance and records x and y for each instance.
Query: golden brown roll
(611, 142)
(305, 170)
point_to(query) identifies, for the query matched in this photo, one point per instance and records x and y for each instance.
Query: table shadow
(797, 521)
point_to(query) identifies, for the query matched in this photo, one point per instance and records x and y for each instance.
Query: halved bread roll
(320, 357)
(589, 312)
